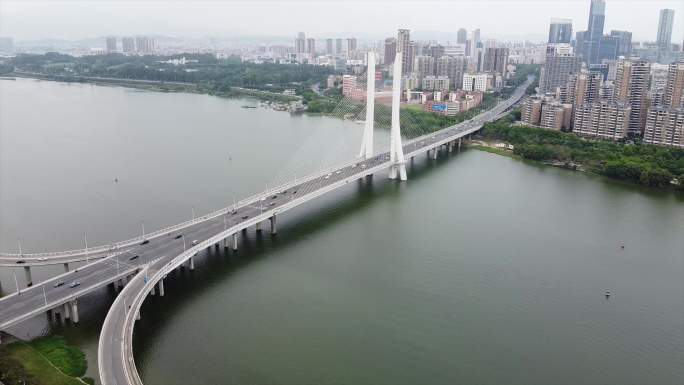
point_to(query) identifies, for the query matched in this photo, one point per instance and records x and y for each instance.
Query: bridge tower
(367, 140)
(396, 149)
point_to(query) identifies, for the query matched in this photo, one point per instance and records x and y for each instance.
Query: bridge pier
(137, 315)
(192, 263)
(274, 229)
(459, 143)
(451, 146)
(258, 227)
(161, 287)
(74, 311)
(29, 278)
(66, 311)
(235, 241)
(152, 290)
(66, 267)
(434, 153)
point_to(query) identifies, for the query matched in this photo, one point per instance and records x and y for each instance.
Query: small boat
(248, 106)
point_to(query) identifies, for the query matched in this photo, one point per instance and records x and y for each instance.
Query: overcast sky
(28, 19)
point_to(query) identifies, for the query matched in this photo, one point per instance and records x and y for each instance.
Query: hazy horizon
(525, 19)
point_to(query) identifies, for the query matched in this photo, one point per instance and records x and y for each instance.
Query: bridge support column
(367, 139)
(398, 167)
(66, 267)
(274, 229)
(459, 143)
(235, 241)
(66, 311)
(451, 146)
(192, 263)
(137, 315)
(74, 311)
(161, 287)
(258, 227)
(434, 153)
(29, 278)
(153, 291)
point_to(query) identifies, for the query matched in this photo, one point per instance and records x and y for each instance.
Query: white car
(195, 242)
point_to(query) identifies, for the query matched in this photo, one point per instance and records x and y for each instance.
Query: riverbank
(42, 361)
(159, 86)
(647, 165)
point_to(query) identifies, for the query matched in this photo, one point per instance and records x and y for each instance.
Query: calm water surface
(479, 270)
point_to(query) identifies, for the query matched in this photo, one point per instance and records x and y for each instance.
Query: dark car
(58, 284)
(133, 257)
(146, 241)
(178, 236)
(245, 216)
(21, 261)
(274, 197)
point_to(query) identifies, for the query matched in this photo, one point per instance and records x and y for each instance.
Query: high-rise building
(608, 48)
(479, 58)
(338, 46)
(144, 44)
(311, 46)
(127, 44)
(390, 49)
(603, 119)
(406, 48)
(560, 31)
(583, 88)
(424, 66)
(674, 88)
(665, 127)
(461, 36)
(555, 115)
(435, 50)
(558, 67)
(594, 33)
(495, 60)
(476, 36)
(476, 82)
(530, 112)
(665, 23)
(624, 42)
(110, 44)
(300, 43)
(351, 45)
(329, 48)
(632, 82)
(452, 67)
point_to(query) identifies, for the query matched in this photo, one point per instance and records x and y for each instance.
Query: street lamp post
(16, 282)
(85, 240)
(44, 295)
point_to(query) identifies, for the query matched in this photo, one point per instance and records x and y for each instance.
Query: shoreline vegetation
(644, 164)
(43, 361)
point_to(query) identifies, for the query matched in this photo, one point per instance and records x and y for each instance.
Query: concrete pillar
(74, 311)
(66, 311)
(66, 267)
(192, 263)
(137, 315)
(258, 226)
(434, 153)
(451, 146)
(29, 279)
(235, 241)
(161, 287)
(225, 243)
(153, 291)
(274, 229)
(459, 143)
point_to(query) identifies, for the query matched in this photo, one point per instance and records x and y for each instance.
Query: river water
(480, 269)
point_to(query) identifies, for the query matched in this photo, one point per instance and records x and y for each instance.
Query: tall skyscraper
(461, 36)
(632, 82)
(559, 65)
(144, 44)
(608, 48)
(624, 42)
(300, 43)
(424, 66)
(592, 37)
(127, 44)
(560, 31)
(603, 119)
(495, 60)
(452, 67)
(665, 127)
(329, 48)
(406, 48)
(434, 50)
(390, 49)
(311, 46)
(110, 44)
(665, 23)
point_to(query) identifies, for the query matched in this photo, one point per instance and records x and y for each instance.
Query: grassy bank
(43, 361)
(648, 165)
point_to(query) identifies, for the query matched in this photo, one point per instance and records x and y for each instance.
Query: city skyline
(23, 21)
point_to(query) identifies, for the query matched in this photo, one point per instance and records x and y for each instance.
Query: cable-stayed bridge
(141, 264)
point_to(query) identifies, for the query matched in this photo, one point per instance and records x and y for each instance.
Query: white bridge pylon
(367, 140)
(396, 149)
